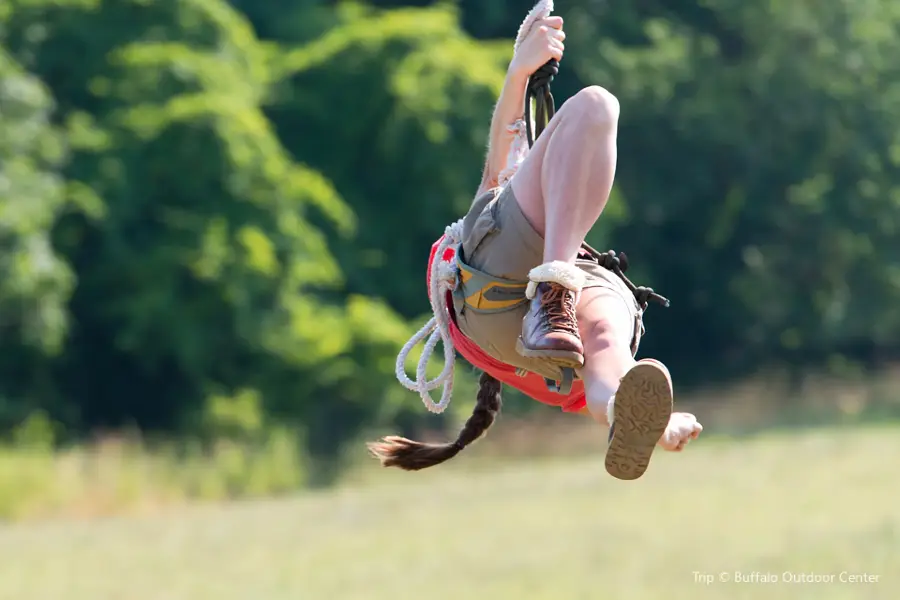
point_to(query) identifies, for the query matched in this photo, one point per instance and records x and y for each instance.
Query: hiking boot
(550, 328)
(638, 416)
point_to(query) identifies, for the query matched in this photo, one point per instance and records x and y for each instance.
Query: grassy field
(816, 504)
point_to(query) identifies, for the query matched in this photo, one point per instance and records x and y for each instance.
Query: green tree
(221, 212)
(200, 270)
(35, 282)
(759, 175)
(394, 106)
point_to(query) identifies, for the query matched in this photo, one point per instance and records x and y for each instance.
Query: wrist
(516, 76)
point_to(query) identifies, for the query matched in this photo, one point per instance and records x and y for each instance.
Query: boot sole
(643, 405)
(562, 358)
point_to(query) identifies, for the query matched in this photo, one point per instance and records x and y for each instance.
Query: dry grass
(124, 475)
(557, 529)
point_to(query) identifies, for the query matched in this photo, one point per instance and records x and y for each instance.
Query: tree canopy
(209, 204)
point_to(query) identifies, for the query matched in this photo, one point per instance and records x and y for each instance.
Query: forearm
(510, 108)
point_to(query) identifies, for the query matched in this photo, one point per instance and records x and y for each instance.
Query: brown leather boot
(550, 329)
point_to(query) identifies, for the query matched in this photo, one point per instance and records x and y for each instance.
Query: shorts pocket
(485, 226)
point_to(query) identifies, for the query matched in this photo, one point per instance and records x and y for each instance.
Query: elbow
(489, 180)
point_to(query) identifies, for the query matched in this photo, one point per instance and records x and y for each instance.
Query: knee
(607, 335)
(596, 106)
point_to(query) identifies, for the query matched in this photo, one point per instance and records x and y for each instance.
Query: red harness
(531, 385)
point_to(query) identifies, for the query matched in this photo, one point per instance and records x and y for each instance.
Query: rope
(437, 329)
(538, 91)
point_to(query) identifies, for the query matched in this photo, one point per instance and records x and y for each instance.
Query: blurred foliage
(214, 216)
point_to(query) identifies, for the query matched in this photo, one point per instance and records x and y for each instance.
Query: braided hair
(410, 455)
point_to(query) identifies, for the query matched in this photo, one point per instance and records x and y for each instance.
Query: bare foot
(682, 428)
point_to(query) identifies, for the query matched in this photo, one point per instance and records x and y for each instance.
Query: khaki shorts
(499, 241)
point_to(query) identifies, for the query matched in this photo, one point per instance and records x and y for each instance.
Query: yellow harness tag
(488, 294)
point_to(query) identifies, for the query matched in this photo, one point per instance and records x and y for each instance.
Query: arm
(510, 107)
(545, 41)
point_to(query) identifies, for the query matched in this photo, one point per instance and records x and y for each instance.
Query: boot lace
(558, 304)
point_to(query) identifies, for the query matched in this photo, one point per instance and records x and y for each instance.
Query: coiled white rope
(443, 280)
(443, 273)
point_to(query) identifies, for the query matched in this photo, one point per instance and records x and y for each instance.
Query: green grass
(124, 475)
(554, 529)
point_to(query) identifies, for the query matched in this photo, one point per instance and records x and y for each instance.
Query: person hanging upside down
(518, 293)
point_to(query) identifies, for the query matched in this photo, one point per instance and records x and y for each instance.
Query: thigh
(527, 182)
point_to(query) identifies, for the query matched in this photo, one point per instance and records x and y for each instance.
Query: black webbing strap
(538, 92)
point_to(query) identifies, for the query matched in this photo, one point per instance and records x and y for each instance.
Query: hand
(682, 428)
(543, 42)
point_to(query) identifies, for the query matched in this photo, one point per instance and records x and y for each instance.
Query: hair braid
(410, 455)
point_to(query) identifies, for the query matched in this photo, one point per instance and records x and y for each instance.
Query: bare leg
(564, 183)
(633, 398)
(643, 409)
(562, 187)
(606, 327)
